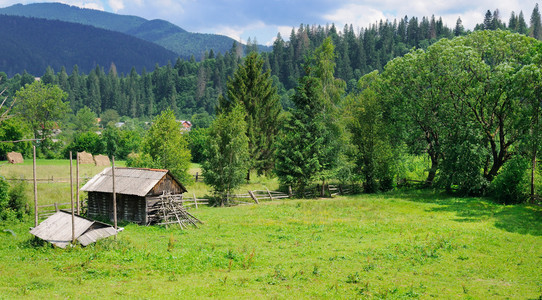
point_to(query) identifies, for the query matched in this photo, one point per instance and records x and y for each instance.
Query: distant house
(185, 125)
(137, 193)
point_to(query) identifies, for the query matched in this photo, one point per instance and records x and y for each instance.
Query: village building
(138, 192)
(185, 125)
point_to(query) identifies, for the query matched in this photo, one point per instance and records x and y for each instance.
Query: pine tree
(488, 21)
(309, 148)
(522, 25)
(254, 90)
(459, 29)
(536, 24)
(513, 22)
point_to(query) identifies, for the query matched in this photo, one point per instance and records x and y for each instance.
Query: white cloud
(231, 31)
(116, 5)
(356, 14)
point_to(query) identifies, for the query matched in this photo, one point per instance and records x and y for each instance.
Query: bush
(12, 200)
(510, 186)
(18, 199)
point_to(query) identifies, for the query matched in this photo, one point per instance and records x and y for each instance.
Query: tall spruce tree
(536, 24)
(309, 146)
(253, 88)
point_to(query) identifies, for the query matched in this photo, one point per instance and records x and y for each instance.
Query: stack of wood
(169, 209)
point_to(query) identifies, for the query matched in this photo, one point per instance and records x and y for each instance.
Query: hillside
(34, 44)
(163, 33)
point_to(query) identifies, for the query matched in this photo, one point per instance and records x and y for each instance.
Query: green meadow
(397, 245)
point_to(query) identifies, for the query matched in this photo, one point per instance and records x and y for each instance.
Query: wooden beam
(35, 189)
(253, 197)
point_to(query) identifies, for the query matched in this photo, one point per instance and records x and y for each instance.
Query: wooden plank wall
(129, 208)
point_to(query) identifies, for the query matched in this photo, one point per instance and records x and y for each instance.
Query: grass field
(400, 245)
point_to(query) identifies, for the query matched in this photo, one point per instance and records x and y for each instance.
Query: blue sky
(243, 19)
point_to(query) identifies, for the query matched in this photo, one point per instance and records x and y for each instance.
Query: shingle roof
(128, 181)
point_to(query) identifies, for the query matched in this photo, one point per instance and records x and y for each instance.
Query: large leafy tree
(373, 155)
(460, 97)
(41, 105)
(167, 147)
(226, 153)
(254, 90)
(85, 120)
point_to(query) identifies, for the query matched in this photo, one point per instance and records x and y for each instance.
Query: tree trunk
(322, 190)
(433, 170)
(533, 169)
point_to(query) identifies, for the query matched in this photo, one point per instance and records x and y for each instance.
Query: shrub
(510, 186)
(12, 200)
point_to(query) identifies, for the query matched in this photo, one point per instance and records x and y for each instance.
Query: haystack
(101, 160)
(85, 158)
(15, 158)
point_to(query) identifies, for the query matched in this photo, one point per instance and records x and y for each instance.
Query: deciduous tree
(226, 153)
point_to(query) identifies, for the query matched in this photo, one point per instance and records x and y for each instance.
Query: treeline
(192, 87)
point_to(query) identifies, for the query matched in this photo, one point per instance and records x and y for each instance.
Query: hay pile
(15, 158)
(85, 158)
(101, 160)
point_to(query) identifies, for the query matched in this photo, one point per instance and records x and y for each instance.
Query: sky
(261, 20)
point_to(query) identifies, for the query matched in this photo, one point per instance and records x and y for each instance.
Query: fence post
(269, 193)
(253, 197)
(195, 200)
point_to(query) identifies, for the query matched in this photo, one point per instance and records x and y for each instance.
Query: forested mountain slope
(170, 36)
(34, 44)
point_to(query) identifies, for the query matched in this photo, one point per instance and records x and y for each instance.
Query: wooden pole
(114, 195)
(71, 198)
(195, 200)
(35, 189)
(269, 193)
(77, 183)
(253, 197)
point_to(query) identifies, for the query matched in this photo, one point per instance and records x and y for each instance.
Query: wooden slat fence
(256, 196)
(51, 179)
(47, 210)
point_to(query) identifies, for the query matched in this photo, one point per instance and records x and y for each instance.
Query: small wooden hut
(57, 229)
(137, 192)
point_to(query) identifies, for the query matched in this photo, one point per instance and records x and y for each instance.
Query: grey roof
(57, 229)
(128, 181)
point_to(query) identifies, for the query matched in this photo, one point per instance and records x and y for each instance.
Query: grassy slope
(412, 245)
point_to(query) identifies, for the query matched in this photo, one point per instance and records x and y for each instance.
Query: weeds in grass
(171, 243)
(249, 260)
(353, 278)
(316, 270)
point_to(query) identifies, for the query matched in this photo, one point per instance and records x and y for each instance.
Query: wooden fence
(257, 196)
(47, 210)
(51, 179)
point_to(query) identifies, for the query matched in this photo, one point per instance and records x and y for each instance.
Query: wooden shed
(57, 229)
(137, 193)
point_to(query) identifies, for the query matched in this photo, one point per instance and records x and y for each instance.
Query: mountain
(183, 43)
(34, 44)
